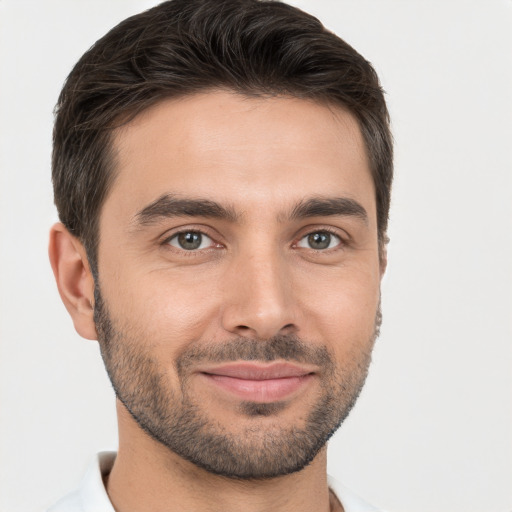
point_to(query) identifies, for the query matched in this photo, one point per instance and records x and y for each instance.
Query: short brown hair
(254, 47)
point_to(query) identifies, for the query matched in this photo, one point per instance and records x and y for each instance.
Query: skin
(257, 278)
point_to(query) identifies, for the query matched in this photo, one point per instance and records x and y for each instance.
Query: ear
(383, 258)
(74, 279)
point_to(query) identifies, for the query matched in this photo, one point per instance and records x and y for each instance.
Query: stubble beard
(177, 421)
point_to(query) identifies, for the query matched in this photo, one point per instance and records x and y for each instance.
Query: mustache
(288, 347)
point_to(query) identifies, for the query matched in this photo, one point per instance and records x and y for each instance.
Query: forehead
(256, 152)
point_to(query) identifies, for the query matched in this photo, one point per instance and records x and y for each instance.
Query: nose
(258, 301)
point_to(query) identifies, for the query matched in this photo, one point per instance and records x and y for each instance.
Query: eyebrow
(168, 206)
(327, 206)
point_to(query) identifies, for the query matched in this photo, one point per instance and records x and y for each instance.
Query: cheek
(343, 311)
(167, 311)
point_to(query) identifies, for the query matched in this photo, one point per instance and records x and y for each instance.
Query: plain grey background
(432, 430)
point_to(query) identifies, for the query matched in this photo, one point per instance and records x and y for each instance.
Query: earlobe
(74, 279)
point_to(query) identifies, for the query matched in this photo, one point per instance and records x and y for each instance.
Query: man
(222, 172)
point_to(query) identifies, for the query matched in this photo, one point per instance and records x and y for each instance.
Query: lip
(259, 382)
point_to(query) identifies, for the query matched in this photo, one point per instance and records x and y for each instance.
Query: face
(238, 291)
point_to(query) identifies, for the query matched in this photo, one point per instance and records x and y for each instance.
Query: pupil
(319, 240)
(189, 240)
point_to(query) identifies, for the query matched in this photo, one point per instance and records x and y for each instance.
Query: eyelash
(343, 241)
(201, 230)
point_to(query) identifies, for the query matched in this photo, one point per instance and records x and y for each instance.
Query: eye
(319, 241)
(190, 241)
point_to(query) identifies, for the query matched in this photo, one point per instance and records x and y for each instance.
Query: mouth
(259, 382)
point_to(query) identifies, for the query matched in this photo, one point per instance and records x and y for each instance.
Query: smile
(259, 382)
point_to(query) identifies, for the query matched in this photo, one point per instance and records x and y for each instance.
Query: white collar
(91, 496)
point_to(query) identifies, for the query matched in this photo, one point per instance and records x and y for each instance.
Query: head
(255, 48)
(222, 172)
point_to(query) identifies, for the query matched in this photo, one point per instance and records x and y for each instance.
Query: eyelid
(341, 234)
(214, 236)
(205, 239)
(195, 228)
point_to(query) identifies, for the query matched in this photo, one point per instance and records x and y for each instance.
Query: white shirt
(91, 496)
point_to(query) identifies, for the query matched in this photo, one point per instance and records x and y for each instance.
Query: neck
(147, 476)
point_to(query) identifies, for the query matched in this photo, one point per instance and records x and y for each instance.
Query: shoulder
(91, 495)
(351, 501)
(70, 503)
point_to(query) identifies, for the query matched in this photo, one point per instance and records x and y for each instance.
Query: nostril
(288, 329)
